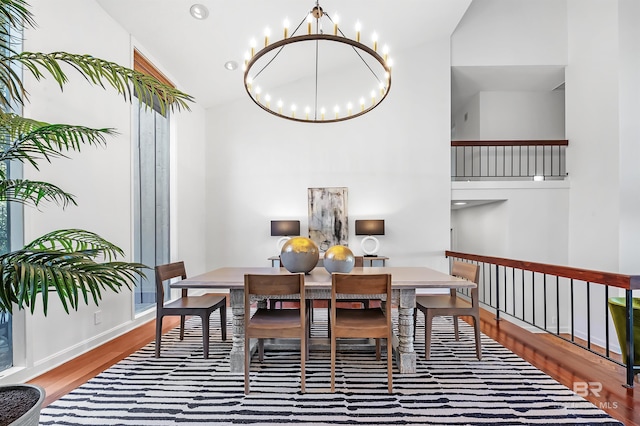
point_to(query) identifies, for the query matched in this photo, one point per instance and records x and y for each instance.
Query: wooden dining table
(405, 281)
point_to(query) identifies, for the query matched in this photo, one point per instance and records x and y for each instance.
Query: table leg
(236, 356)
(406, 355)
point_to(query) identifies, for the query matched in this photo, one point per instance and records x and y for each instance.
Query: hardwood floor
(561, 360)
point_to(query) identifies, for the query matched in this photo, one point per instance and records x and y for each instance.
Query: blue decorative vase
(339, 259)
(299, 254)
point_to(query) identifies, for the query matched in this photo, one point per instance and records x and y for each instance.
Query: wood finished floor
(561, 360)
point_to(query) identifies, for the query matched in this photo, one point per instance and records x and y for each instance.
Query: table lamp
(369, 228)
(285, 229)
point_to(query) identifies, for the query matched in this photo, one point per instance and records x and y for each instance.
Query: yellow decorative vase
(299, 254)
(339, 259)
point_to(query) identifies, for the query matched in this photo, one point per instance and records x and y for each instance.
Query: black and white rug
(453, 388)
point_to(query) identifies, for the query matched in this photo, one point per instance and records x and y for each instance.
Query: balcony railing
(570, 303)
(508, 160)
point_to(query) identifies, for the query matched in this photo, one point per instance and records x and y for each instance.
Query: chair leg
(261, 350)
(247, 362)
(329, 318)
(304, 354)
(389, 365)
(455, 327)
(476, 326)
(427, 334)
(182, 318)
(223, 322)
(205, 335)
(333, 364)
(158, 335)
(377, 349)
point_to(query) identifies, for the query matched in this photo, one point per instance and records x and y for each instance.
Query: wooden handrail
(628, 282)
(556, 142)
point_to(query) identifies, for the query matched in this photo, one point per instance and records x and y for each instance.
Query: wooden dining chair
(451, 305)
(274, 323)
(361, 323)
(202, 306)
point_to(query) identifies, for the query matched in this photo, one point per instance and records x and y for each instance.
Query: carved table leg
(406, 355)
(236, 356)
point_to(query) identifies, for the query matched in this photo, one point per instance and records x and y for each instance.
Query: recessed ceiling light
(199, 11)
(459, 203)
(231, 65)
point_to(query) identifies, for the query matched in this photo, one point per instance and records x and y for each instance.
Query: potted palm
(74, 264)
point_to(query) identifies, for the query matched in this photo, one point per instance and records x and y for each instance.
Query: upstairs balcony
(514, 160)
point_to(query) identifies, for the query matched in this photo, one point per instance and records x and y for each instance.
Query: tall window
(151, 157)
(11, 219)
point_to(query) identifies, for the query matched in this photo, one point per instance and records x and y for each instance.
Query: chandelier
(317, 74)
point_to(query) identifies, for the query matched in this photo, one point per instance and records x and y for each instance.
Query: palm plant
(78, 265)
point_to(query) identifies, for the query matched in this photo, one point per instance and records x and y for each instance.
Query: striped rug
(453, 388)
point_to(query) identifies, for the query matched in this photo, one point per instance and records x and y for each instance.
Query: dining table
(405, 282)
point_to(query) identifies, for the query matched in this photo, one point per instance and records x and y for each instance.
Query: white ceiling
(194, 51)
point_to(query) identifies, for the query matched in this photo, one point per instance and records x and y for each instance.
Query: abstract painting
(328, 222)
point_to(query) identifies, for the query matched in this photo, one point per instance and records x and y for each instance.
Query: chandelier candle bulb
(335, 24)
(307, 110)
(280, 107)
(349, 108)
(336, 109)
(249, 82)
(309, 19)
(361, 104)
(286, 28)
(374, 37)
(358, 28)
(267, 33)
(293, 111)
(322, 111)
(373, 97)
(385, 52)
(267, 99)
(258, 91)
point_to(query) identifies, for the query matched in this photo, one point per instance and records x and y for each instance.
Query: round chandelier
(314, 76)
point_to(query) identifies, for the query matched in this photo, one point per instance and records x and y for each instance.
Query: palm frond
(76, 240)
(29, 192)
(28, 140)
(16, 13)
(99, 71)
(75, 276)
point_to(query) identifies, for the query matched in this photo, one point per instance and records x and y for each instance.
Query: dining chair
(202, 306)
(451, 305)
(274, 323)
(361, 323)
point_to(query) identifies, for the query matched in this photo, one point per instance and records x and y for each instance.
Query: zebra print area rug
(453, 388)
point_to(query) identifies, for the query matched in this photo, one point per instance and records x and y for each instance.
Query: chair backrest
(272, 285)
(359, 262)
(361, 284)
(468, 271)
(167, 272)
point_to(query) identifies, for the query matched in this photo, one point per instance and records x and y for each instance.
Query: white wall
(592, 129)
(394, 161)
(99, 178)
(529, 224)
(467, 121)
(511, 32)
(521, 115)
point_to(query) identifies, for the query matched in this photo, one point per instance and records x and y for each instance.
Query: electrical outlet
(97, 317)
